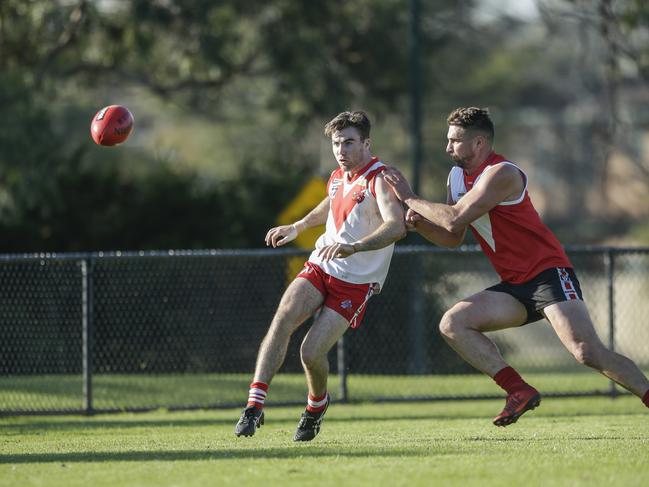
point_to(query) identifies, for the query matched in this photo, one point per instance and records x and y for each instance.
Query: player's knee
(450, 325)
(308, 356)
(586, 354)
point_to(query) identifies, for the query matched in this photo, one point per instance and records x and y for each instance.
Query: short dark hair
(343, 120)
(474, 119)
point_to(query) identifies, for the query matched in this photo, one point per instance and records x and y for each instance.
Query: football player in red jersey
(350, 262)
(488, 194)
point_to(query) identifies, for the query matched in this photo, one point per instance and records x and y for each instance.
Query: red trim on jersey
(342, 204)
(491, 159)
(524, 245)
(360, 172)
(372, 179)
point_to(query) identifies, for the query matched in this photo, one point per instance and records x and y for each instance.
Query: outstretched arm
(283, 234)
(499, 184)
(432, 232)
(392, 229)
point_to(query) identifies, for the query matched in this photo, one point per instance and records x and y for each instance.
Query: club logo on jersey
(358, 196)
(346, 304)
(333, 189)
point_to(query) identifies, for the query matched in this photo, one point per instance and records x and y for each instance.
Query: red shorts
(344, 298)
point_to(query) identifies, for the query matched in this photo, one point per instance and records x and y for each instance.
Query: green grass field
(566, 442)
(48, 393)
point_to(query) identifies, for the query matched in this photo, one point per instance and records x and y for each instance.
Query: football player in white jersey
(350, 262)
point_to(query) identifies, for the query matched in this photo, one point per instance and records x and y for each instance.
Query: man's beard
(460, 161)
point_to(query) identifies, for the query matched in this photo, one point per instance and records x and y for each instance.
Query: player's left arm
(499, 184)
(284, 234)
(392, 229)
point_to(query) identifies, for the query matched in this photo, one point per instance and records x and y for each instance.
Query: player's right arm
(500, 184)
(435, 233)
(278, 236)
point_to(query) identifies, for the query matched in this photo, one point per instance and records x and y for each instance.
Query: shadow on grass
(418, 448)
(224, 454)
(69, 425)
(173, 422)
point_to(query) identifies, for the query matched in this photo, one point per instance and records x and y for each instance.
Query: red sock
(509, 380)
(257, 394)
(316, 404)
(645, 398)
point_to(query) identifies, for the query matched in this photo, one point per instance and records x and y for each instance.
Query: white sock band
(317, 404)
(257, 395)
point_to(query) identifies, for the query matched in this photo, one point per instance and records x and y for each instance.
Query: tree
(265, 74)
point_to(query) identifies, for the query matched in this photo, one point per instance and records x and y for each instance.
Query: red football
(111, 125)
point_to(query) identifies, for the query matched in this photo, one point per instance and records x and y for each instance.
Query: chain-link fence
(141, 330)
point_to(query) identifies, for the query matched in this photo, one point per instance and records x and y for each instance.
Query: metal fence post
(610, 271)
(87, 332)
(417, 357)
(342, 369)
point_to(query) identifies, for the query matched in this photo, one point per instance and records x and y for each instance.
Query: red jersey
(512, 235)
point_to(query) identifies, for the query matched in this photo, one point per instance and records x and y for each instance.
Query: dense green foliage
(258, 79)
(58, 193)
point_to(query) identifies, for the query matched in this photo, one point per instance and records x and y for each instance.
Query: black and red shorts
(551, 286)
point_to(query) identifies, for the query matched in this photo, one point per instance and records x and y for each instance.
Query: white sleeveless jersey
(354, 214)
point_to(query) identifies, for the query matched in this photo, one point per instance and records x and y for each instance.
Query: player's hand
(282, 235)
(399, 183)
(412, 217)
(336, 251)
